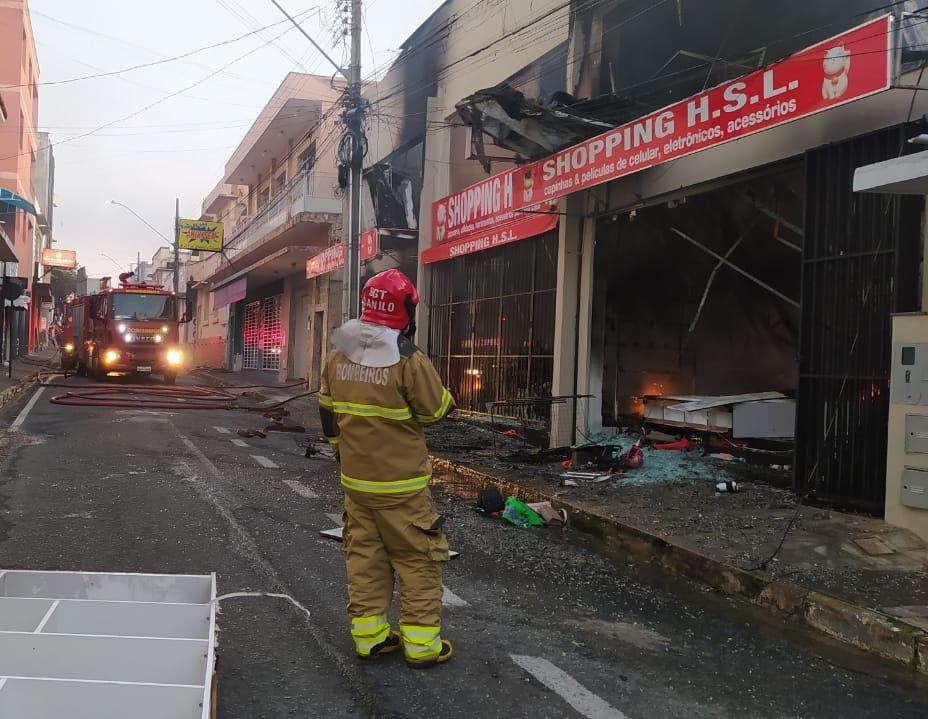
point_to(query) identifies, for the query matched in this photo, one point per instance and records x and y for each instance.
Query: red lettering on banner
(848, 67)
(331, 258)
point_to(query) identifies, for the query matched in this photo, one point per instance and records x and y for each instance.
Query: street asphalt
(543, 624)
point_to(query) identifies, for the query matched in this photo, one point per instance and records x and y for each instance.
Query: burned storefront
(715, 273)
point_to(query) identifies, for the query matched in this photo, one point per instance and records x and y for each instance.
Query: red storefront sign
(845, 68)
(331, 258)
(514, 226)
(369, 244)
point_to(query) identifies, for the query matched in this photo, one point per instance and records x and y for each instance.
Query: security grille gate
(860, 262)
(262, 341)
(251, 334)
(271, 344)
(492, 323)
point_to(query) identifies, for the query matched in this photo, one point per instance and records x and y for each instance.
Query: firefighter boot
(424, 647)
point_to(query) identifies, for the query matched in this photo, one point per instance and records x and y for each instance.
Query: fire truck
(129, 329)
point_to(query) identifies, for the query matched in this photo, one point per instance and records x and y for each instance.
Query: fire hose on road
(142, 396)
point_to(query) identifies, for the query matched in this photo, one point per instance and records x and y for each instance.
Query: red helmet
(389, 299)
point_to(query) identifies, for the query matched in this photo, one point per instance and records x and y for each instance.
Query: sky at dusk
(178, 147)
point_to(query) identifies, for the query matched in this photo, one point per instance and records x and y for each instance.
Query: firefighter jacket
(377, 394)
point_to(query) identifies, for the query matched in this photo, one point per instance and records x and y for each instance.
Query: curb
(867, 629)
(10, 393)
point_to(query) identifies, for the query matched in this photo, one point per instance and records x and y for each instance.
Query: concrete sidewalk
(24, 372)
(852, 577)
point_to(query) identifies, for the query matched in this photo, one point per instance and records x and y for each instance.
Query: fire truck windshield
(143, 307)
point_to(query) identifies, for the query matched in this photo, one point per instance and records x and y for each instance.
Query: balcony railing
(307, 192)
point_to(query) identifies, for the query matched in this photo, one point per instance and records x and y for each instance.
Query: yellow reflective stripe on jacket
(325, 401)
(446, 400)
(399, 486)
(372, 410)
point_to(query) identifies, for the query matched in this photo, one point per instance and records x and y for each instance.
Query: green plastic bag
(520, 514)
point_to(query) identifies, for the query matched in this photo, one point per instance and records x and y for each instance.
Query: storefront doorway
(492, 323)
(262, 339)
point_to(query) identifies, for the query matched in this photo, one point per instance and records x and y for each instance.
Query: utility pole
(355, 141)
(177, 246)
(354, 119)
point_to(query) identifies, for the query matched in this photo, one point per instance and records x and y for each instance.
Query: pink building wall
(19, 66)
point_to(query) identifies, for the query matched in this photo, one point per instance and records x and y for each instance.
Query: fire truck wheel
(170, 378)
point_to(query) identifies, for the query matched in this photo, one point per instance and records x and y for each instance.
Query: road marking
(301, 489)
(337, 518)
(211, 490)
(450, 599)
(565, 686)
(223, 430)
(48, 615)
(21, 417)
(264, 461)
(239, 442)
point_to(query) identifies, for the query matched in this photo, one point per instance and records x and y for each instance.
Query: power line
(248, 20)
(140, 66)
(150, 105)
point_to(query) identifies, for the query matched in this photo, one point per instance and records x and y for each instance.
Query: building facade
(612, 209)
(19, 148)
(280, 205)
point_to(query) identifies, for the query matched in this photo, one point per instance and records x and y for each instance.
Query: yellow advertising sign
(199, 235)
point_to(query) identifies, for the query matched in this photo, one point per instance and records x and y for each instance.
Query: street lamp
(172, 243)
(120, 265)
(146, 222)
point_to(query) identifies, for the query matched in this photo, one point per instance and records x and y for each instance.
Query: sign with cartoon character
(837, 65)
(199, 235)
(811, 81)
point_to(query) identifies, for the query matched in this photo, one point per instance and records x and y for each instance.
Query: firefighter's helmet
(389, 299)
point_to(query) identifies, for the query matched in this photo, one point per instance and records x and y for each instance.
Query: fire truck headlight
(164, 329)
(121, 327)
(110, 356)
(129, 337)
(158, 338)
(68, 347)
(174, 357)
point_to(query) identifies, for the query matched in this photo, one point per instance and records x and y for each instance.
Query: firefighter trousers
(402, 538)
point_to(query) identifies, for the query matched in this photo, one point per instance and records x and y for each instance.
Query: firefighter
(377, 394)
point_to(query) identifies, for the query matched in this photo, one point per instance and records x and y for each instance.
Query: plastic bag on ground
(520, 514)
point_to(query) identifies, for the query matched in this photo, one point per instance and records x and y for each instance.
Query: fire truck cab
(130, 329)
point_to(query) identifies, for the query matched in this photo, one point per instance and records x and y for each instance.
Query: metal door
(251, 336)
(299, 337)
(271, 335)
(860, 261)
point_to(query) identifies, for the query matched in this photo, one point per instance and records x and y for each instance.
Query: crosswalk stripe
(223, 430)
(569, 689)
(450, 599)
(301, 489)
(264, 461)
(239, 443)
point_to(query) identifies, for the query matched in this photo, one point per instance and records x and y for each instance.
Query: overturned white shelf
(90, 645)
